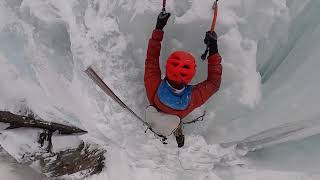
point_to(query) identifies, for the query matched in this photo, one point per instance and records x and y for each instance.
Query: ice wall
(289, 76)
(299, 155)
(269, 51)
(61, 39)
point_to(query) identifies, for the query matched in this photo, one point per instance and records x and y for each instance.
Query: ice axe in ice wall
(213, 25)
(164, 4)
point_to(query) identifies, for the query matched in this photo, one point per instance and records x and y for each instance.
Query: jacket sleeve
(152, 73)
(204, 90)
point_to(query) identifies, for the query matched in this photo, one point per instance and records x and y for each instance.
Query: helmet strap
(175, 85)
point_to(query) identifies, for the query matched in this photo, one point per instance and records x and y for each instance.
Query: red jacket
(200, 92)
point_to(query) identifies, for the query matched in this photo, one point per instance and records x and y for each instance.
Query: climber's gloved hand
(211, 42)
(162, 20)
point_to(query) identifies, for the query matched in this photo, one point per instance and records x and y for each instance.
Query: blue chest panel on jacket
(176, 101)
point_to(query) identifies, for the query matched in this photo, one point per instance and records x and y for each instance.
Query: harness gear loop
(213, 25)
(200, 118)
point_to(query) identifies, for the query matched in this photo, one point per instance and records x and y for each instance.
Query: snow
(59, 143)
(20, 142)
(269, 93)
(10, 169)
(4, 170)
(294, 155)
(267, 174)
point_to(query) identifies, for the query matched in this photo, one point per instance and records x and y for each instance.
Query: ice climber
(173, 96)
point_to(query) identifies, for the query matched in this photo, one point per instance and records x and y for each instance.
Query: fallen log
(18, 121)
(82, 161)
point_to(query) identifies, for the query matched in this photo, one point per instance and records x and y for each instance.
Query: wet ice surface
(269, 92)
(294, 156)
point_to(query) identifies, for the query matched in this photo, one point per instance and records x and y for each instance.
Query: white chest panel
(161, 123)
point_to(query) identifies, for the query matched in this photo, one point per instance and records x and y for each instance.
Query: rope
(96, 78)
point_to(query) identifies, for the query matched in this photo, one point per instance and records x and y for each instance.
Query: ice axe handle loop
(205, 54)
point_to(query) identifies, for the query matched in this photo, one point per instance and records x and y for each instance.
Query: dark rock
(86, 159)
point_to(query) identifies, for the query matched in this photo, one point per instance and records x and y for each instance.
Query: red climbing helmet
(181, 67)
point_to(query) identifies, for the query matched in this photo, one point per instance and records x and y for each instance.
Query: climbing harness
(213, 25)
(163, 125)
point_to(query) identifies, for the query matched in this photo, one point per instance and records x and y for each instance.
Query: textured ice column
(291, 88)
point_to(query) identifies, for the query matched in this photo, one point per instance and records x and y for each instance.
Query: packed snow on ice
(267, 107)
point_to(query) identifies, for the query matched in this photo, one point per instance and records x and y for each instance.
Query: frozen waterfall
(268, 102)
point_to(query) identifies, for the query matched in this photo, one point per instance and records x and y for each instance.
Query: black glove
(162, 20)
(211, 42)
